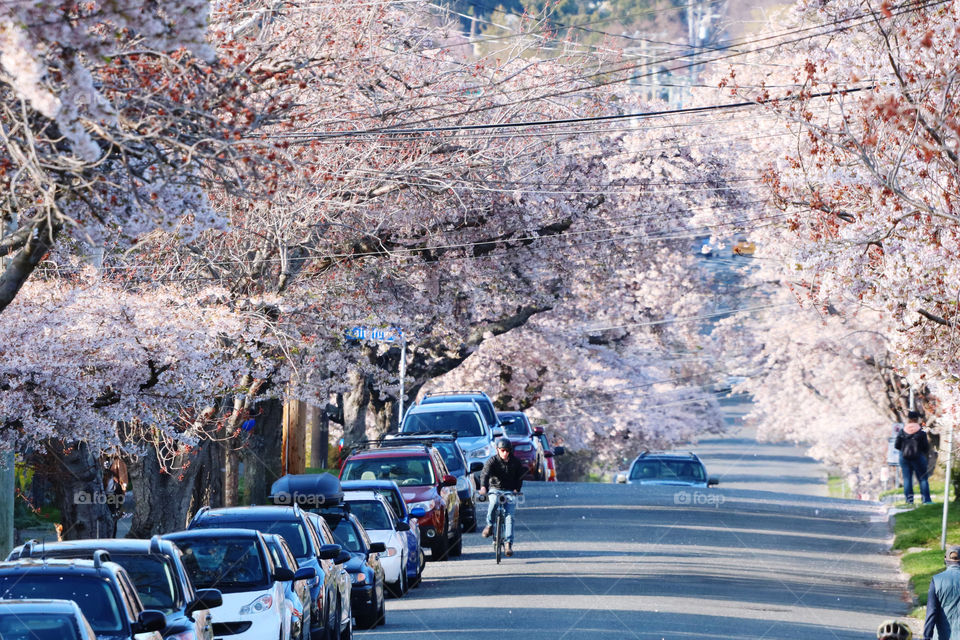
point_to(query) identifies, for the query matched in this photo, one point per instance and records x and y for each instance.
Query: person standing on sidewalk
(914, 447)
(943, 600)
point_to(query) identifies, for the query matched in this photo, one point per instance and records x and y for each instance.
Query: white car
(254, 588)
(382, 525)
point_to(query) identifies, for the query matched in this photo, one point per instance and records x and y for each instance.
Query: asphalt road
(616, 561)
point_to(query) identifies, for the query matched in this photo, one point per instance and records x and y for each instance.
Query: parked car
(465, 419)
(425, 482)
(43, 620)
(479, 397)
(366, 572)
(292, 524)
(239, 564)
(156, 568)
(667, 468)
(465, 472)
(344, 581)
(102, 589)
(517, 428)
(298, 600)
(391, 491)
(381, 524)
(310, 492)
(546, 455)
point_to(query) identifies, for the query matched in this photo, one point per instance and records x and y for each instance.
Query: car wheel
(371, 620)
(457, 549)
(440, 548)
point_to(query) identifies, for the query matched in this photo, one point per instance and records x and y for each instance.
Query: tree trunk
(261, 454)
(80, 496)
(355, 404)
(165, 501)
(231, 474)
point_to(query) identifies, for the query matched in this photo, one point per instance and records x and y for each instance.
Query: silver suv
(667, 468)
(465, 419)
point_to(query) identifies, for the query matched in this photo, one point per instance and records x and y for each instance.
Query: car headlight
(390, 552)
(426, 505)
(261, 604)
(463, 484)
(478, 453)
(359, 578)
(523, 447)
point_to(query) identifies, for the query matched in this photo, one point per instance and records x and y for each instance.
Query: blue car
(389, 490)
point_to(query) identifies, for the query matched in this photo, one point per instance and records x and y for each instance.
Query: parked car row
(284, 571)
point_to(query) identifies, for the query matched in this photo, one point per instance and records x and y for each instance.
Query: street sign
(377, 334)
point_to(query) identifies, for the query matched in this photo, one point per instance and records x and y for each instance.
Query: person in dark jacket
(943, 600)
(914, 448)
(502, 473)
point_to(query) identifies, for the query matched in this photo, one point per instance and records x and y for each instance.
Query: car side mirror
(282, 574)
(149, 621)
(206, 599)
(402, 526)
(329, 551)
(448, 481)
(418, 512)
(378, 547)
(476, 467)
(305, 573)
(559, 451)
(343, 557)
(712, 482)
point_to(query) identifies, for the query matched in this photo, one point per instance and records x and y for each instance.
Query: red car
(547, 469)
(428, 488)
(517, 428)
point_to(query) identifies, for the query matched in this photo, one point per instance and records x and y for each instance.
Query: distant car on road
(29, 619)
(517, 428)
(463, 418)
(546, 456)
(667, 468)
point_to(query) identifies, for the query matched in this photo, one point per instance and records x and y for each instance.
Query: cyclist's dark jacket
(506, 476)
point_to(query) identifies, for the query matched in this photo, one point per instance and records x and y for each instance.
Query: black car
(367, 593)
(293, 525)
(156, 568)
(101, 588)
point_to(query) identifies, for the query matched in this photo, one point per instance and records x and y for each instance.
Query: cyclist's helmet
(894, 630)
(504, 443)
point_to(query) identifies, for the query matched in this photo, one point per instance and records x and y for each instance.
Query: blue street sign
(377, 334)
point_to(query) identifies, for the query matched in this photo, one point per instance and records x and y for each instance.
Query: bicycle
(501, 521)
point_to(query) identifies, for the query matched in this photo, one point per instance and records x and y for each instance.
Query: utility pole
(946, 491)
(8, 475)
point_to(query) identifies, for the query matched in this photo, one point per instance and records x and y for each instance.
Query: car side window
(364, 536)
(186, 585)
(439, 464)
(288, 554)
(312, 534)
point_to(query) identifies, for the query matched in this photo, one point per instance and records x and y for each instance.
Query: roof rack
(155, 544)
(99, 557)
(426, 437)
(453, 392)
(379, 444)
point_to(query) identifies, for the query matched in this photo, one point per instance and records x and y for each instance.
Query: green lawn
(917, 531)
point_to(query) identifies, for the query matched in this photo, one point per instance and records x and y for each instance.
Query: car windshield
(465, 423)
(38, 626)
(371, 514)
(92, 594)
(346, 536)
(450, 456)
(412, 471)
(680, 470)
(228, 564)
(486, 407)
(153, 579)
(516, 428)
(291, 530)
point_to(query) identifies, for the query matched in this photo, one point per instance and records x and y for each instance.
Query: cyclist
(502, 473)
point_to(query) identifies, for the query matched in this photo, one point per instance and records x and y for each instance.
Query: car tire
(440, 549)
(370, 620)
(457, 549)
(398, 588)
